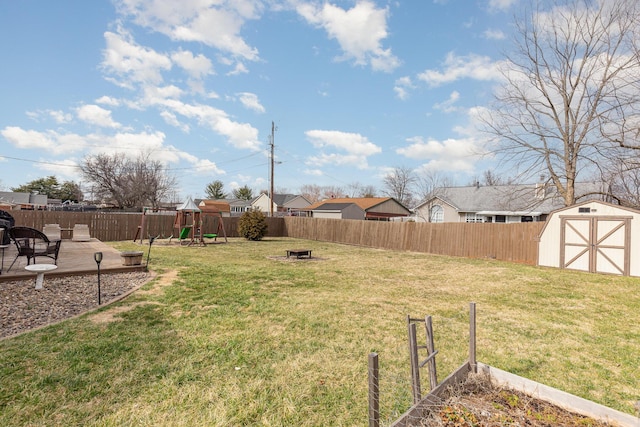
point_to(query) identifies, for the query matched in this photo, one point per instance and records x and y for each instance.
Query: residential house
(27, 201)
(283, 204)
(338, 211)
(374, 208)
(215, 206)
(238, 206)
(499, 203)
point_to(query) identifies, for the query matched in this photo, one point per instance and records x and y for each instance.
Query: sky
(354, 88)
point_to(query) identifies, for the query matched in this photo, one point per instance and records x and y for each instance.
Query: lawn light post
(151, 240)
(98, 257)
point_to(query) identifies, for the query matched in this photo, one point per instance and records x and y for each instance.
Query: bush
(252, 225)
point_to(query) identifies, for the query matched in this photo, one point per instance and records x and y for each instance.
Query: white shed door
(596, 244)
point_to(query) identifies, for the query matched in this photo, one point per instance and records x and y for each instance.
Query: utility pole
(273, 129)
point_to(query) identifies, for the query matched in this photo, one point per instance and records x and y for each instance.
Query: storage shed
(593, 236)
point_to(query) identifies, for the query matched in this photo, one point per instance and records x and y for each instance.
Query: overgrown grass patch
(243, 338)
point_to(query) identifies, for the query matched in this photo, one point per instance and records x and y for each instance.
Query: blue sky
(355, 88)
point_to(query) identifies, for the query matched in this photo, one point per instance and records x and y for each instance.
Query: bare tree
(624, 183)
(315, 193)
(430, 184)
(399, 184)
(355, 189)
(489, 178)
(129, 183)
(570, 97)
(311, 192)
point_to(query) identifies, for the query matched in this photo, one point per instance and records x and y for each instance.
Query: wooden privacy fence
(507, 242)
(119, 226)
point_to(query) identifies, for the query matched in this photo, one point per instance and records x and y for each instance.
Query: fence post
(374, 391)
(433, 376)
(415, 369)
(472, 338)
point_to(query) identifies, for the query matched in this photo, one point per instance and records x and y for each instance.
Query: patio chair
(81, 233)
(53, 231)
(32, 243)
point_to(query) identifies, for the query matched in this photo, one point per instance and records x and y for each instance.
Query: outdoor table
(40, 269)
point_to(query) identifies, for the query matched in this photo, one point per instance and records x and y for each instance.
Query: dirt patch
(478, 403)
(162, 282)
(295, 259)
(112, 314)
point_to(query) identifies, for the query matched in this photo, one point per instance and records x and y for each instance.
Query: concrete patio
(74, 258)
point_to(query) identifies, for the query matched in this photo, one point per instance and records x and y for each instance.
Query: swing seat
(210, 236)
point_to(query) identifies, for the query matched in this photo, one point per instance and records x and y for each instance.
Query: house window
(473, 217)
(501, 218)
(436, 214)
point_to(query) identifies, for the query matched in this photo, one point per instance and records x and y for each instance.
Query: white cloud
(402, 87)
(66, 170)
(207, 167)
(96, 115)
(448, 106)
(251, 101)
(240, 135)
(313, 172)
(215, 23)
(357, 147)
(449, 154)
(501, 4)
(129, 63)
(49, 141)
(460, 67)
(132, 144)
(108, 100)
(60, 116)
(196, 66)
(154, 95)
(491, 34)
(238, 69)
(172, 120)
(359, 31)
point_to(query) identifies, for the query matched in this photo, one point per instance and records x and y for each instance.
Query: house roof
(283, 199)
(364, 203)
(214, 205)
(330, 206)
(520, 199)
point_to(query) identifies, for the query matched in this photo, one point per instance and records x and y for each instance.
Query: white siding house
(497, 203)
(283, 204)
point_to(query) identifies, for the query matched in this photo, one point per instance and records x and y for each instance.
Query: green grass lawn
(240, 338)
